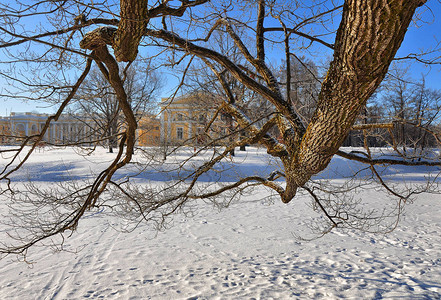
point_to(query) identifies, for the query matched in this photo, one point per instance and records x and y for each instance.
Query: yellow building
(5, 131)
(184, 120)
(148, 131)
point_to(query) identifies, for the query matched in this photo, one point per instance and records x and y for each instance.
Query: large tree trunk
(367, 40)
(131, 28)
(135, 16)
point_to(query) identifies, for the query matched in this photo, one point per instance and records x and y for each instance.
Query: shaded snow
(249, 250)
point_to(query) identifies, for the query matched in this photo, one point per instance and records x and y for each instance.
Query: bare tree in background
(180, 32)
(96, 101)
(200, 79)
(414, 108)
(305, 82)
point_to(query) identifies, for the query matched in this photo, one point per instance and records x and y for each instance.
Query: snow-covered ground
(249, 250)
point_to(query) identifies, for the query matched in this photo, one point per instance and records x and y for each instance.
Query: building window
(180, 117)
(20, 128)
(180, 133)
(224, 117)
(34, 129)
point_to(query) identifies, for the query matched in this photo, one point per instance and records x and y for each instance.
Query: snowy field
(247, 251)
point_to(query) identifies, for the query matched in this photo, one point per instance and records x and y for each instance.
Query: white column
(162, 128)
(169, 127)
(190, 125)
(53, 132)
(61, 132)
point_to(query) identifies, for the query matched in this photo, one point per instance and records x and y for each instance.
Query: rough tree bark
(367, 40)
(135, 16)
(130, 29)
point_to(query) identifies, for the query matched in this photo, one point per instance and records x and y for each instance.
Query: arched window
(34, 129)
(20, 129)
(180, 133)
(179, 117)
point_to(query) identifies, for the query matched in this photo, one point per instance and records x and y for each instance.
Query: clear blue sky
(420, 36)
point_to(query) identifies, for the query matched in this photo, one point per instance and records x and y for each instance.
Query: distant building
(184, 120)
(148, 131)
(69, 129)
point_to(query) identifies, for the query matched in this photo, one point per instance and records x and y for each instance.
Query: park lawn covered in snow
(250, 250)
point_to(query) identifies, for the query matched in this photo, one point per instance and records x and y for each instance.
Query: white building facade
(68, 129)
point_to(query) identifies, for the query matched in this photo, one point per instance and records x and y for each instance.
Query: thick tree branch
(362, 56)
(386, 161)
(299, 33)
(260, 40)
(87, 23)
(135, 16)
(373, 126)
(284, 107)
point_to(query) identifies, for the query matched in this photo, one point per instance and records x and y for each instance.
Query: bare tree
(351, 79)
(304, 81)
(411, 107)
(201, 80)
(363, 46)
(96, 101)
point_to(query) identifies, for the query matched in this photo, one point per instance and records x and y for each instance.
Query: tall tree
(360, 63)
(363, 46)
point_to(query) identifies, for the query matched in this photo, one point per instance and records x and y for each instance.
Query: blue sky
(422, 35)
